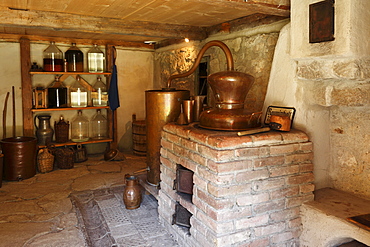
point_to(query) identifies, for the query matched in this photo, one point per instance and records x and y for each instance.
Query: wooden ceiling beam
(98, 25)
(80, 41)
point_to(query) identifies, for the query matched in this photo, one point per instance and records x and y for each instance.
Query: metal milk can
(44, 132)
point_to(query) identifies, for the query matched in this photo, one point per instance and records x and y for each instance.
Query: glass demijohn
(100, 95)
(95, 59)
(78, 94)
(53, 58)
(57, 94)
(80, 128)
(99, 126)
(75, 59)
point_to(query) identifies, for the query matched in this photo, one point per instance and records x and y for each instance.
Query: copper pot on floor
(132, 192)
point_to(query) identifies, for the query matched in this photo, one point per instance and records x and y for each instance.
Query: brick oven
(247, 191)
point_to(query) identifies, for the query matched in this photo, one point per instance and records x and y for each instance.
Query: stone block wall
(251, 54)
(247, 190)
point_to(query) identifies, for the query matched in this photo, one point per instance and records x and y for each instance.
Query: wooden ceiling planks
(89, 7)
(153, 10)
(129, 20)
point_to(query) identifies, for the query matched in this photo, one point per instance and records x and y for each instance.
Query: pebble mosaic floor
(105, 221)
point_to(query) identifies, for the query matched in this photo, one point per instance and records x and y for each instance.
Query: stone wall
(342, 89)
(252, 54)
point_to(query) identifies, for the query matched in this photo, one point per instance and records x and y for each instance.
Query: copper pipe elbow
(223, 46)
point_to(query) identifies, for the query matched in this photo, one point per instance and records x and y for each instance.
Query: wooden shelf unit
(28, 111)
(67, 73)
(71, 143)
(68, 108)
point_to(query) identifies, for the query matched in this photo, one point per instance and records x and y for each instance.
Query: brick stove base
(247, 190)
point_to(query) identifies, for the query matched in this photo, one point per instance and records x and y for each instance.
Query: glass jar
(57, 94)
(95, 59)
(78, 94)
(100, 95)
(75, 59)
(80, 128)
(53, 58)
(99, 126)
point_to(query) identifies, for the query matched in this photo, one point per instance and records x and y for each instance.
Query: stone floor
(105, 221)
(38, 211)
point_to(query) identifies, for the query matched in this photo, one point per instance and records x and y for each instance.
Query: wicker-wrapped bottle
(64, 157)
(61, 130)
(45, 160)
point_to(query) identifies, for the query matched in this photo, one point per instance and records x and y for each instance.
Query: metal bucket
(19, 157)
(162, 107)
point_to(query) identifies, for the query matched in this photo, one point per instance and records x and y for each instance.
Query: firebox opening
(183, 184)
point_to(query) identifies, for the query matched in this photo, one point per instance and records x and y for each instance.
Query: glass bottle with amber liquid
(53, 58)
(75, 59)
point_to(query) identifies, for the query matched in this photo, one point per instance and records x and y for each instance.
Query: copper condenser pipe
(162, 107)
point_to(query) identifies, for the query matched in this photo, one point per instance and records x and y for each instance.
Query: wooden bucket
(139, 137)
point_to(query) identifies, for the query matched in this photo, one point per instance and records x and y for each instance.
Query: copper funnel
(230, 90)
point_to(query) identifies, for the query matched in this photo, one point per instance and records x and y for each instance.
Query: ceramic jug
(132, 192)
(44, 132)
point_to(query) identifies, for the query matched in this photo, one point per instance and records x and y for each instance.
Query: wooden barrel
(139, 137)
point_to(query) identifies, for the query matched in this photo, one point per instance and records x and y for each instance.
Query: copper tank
(230, 89)
(162, 107)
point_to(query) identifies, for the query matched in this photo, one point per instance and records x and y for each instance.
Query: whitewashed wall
(328, 84)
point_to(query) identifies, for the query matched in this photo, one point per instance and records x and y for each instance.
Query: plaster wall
(134, 70)
(10, 76)
(328, 85)
(350, 27)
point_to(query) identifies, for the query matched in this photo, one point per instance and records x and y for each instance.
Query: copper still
(162, 107)
(230, 89)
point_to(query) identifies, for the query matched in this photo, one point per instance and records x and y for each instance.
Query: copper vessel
(19, 157)
(132, 193)
(162, 106)
(230, 90)
(281, 123)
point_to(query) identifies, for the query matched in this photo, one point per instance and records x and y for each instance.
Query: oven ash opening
(183, 184)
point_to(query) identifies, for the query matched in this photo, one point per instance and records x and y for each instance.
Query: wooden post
(26, 87)
(111, 116)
